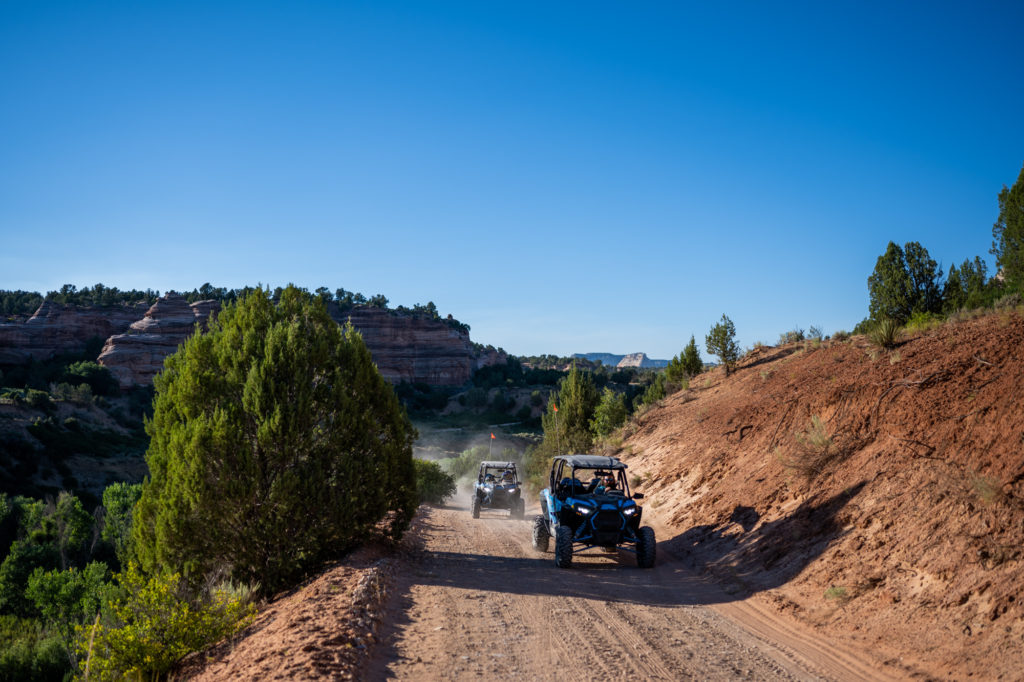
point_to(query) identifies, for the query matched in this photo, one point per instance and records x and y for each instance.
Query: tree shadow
(756, 558)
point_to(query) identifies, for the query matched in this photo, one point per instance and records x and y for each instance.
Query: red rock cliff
(137, 356)
(56, 329)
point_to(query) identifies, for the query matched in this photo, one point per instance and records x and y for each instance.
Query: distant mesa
(639, 360)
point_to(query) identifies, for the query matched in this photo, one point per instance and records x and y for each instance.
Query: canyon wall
(138, 338)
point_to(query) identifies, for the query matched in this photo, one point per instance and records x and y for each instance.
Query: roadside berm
(874, 494)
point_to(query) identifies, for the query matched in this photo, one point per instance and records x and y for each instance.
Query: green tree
(905, 281)
(68, 598)
(570, 410)
(692, 364)
(953, 295)
(433, 484)
(721, 341)
(889, 287)
(119, 501)
(275, 445)
(98, 377)
(1008, 234)
(609, 414)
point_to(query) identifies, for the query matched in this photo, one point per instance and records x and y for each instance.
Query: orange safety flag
(556, 407)
(492, 436)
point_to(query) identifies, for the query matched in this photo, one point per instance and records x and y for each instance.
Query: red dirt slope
(910, 541)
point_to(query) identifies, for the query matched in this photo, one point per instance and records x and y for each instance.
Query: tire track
(476, 600)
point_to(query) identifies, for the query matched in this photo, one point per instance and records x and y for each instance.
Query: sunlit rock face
(408, 348)
(56, 329)
(137, 356)
(138, 339)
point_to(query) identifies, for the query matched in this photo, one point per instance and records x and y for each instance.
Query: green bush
(721, 341)
(432, 483)
(149, 627)
(28, 652)
(275, 445)
(609, 414)
(94, 375)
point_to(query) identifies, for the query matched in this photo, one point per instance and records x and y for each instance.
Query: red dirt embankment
(909, 542)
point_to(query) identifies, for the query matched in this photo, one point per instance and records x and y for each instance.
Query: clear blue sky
(564, 177)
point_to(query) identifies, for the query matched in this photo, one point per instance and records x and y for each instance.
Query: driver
(506, 478)
(608, 482)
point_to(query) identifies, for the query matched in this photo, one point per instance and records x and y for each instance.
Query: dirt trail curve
(473, 600)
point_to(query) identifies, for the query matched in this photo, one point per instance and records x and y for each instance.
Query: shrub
(275, 446)
(39, 400)
(814, 450)
(97, 377)
(815, 332)
(28, 652)
(885, 333)
(1009, 301)
(150, 627)
(841, 335)
(922, 322)
(432, 483)
(792, 336)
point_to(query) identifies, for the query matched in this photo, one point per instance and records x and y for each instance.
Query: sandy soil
(909, 542)
(474, 599)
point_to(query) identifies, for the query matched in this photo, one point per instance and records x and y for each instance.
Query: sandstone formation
(640, 360)
(404, 347)
(409, 348)
(56, 329)
(137, 356)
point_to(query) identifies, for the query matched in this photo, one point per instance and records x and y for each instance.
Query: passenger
(507, 478)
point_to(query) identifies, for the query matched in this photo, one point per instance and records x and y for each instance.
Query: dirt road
(474, 600)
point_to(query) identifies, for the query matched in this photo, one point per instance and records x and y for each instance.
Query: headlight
(629, 511)
(512, 489)
(583, 510)
(488, 488)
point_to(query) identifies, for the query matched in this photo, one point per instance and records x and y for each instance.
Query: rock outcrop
(640, 360)
(56, 329)
(405, 347)
(410, 348)
(137, 356)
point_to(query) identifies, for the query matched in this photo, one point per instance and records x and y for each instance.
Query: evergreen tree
(609, 414)
(692, 364)
(570, 411)
(1008, 235)
(953, 296)
(905, 281)
(890, 288)
(275, 445)
(925, 275)
(721, 341)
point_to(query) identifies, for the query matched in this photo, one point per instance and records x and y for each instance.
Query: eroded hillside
(908, 539)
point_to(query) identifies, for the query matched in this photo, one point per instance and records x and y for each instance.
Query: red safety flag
(556, 407)
(492, 436)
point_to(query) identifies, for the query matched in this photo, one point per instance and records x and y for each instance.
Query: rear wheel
(540, 534)
(563, 547)
(476, 507)
(645, 547)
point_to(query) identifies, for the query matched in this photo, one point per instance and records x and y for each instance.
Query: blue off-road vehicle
(498, 487)
(586, 505)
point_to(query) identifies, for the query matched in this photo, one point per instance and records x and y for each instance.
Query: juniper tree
(275, 444)
(609, 414)
(721, 341)
(1008, 234)
(570, 410)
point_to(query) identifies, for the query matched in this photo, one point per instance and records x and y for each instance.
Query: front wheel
(563, 547)
(476, 507)
(540, 534)
(645, 547)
